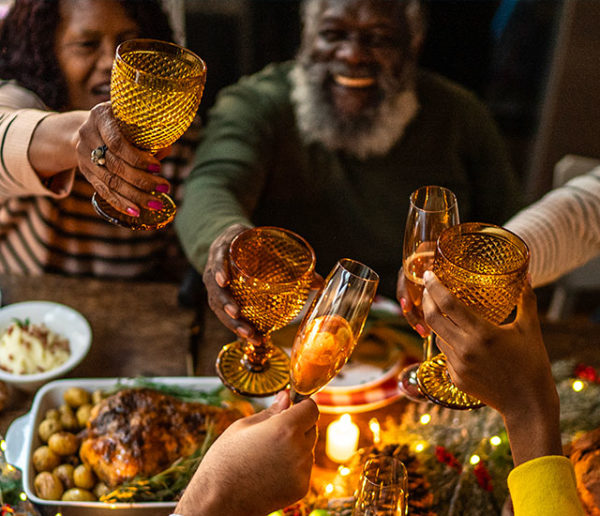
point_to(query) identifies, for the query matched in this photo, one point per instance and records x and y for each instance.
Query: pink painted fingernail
(420, 330)
(133, 211)
(154, 168)
(155, 205)
(162, 188)
(403, 304)
(220, 279)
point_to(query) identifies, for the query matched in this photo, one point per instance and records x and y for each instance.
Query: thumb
(527, 306)
(281, 402)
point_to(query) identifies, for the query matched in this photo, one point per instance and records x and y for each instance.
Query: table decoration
(342, 439)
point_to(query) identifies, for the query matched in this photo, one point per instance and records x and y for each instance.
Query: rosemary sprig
(166, 485)
(21, 323)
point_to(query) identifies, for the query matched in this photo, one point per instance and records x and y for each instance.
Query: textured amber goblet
(155, 91)
(485, 266)
(271, 273)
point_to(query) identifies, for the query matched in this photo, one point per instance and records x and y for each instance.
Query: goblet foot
(409, 385)
(239, 376)
(435, 383)
(148, 219)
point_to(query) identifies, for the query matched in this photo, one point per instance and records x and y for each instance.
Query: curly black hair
(27, 56)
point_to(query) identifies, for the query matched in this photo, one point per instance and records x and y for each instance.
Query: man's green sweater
(253, 167)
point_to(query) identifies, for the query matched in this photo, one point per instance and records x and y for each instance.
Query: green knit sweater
(252, 166)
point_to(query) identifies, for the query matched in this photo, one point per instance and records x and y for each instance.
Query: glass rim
(374, 277)
(172, 48)
(515, 239)
(447, 191)
(311, 266)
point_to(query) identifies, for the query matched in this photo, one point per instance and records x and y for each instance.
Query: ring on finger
(98, 156)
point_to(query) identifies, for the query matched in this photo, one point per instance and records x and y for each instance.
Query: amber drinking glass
(382, 489)
(432, 209)
(271, 272)
(330, 329)
(155, 91)
(485, 266)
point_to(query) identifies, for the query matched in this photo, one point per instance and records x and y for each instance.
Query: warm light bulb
(578, 385)
(475, 459)
(419, 447)
(425, 418)
(329, 489)
(495, 440)
(23, 496)
(375, 427)
(3, 445)
(344, 471)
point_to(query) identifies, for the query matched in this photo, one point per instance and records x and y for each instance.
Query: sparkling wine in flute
(414, 268)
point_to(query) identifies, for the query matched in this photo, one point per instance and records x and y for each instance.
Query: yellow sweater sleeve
(544, 487)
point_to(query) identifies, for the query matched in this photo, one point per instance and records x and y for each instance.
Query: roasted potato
(84, 477)
(65, 473)
(76, 494)
(48, 427)
(52, 414)
(44, 459)
(76, 396)
(67, 418)
(63, 443)
(101, 489)
(97, 397)
(48, 486)
(83, 414)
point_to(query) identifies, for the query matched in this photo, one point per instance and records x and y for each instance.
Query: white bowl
(58, 318)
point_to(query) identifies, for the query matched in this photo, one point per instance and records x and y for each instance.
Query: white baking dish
(22, 439)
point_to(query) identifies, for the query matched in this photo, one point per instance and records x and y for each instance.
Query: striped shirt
(562, 229)
(53, 227)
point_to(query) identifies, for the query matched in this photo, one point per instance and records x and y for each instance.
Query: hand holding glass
(432, 210)
(271, 272)
(330, 330)
(155, 91)
(485, 266)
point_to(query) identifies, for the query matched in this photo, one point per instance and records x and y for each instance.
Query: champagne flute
(330, 329)
(432, 209)
(271, 273)
(382, 489)
(155, 91)
(485, 266)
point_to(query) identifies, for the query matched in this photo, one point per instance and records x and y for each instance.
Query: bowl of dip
(40, 341)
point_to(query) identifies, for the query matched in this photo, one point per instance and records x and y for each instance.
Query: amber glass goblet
(271, 272)
(485, 266)
(432, 209)
(330, 329)
(155, 91)
(382, 488)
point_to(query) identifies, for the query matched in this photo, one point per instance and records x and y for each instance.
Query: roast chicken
(142, 431)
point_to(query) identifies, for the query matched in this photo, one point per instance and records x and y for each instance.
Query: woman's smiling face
(86, 38)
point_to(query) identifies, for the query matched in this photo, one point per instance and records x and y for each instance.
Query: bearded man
(332, 144)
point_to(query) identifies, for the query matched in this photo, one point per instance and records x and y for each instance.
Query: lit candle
(342, 439)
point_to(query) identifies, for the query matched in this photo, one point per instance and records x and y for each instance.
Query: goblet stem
(256, 356)
(407, 380)
(428, 347)
(296, 397)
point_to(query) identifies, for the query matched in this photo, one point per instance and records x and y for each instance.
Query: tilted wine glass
(155, 91)
(271, 273)
(330, 329)
(485, 266)
(432, 209)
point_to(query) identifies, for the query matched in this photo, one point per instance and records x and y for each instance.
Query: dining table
(141, 328)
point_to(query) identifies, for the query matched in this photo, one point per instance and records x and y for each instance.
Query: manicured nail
(154, 168)
(220, 279)
(403, 304)
(162, 188)
(428, 275)
(230, 311)
(155, 205)
(134, 212)
(421, 331)
(244, 332)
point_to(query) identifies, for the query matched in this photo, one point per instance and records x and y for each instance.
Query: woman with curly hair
(55, 63)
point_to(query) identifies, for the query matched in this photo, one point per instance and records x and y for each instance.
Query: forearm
(53, 145)
(534, 431)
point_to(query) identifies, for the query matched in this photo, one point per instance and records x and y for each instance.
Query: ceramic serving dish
(22, 439)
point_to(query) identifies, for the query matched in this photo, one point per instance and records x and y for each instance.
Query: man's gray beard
(374, 132)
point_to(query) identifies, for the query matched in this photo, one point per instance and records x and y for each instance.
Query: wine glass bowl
(271, 273)
(383, 488)
(485, 266)
(432, 209)
(330, 330)
(155, 91)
